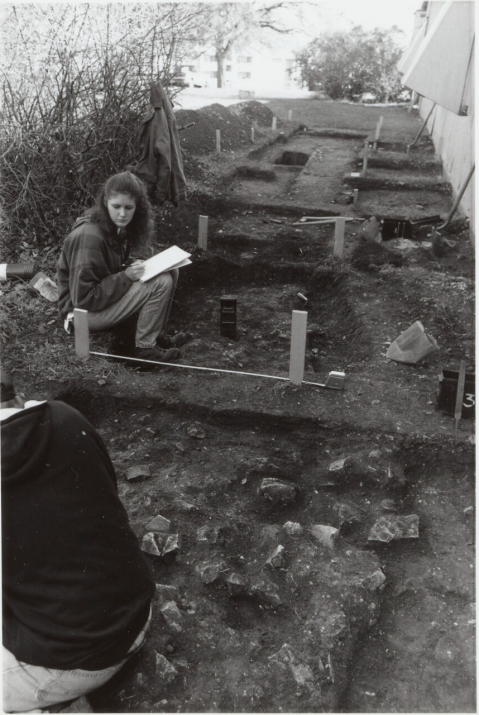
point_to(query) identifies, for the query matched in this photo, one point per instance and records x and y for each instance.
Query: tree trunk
(220, 59)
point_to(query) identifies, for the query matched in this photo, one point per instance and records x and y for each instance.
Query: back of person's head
(140, 227)
(7, 387)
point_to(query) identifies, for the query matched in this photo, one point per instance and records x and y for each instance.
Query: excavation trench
(283, 602)
(275, 616)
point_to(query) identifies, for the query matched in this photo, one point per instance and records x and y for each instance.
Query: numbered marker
(82, 333)
(203, 232)
(298, 346)
(339, 237)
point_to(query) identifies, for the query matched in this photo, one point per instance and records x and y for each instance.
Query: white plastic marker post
(356, 196)
(365, 157)
(82, 334)
(339, 237)
(252, 135)
(290, 115)
(298, 346)
(218, 141)
(274, 122)
(408, 150)
(203, 232)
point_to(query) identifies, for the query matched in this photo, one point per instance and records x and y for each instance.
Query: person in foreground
(93, 271)
(76, 586)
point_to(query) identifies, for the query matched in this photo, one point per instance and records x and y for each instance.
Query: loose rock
(138, 472)
(277, 491)
(159, 524)
(209, 571)
(196, 431)
(326, 535)
(276, 560)
(287, 660)
(375, 581)
(165, 592)
(392, 527)
(159, 544)
(165, 670)
(236, 583)
(172, 615)
(208, 533)
(293, 528)
(265, 590)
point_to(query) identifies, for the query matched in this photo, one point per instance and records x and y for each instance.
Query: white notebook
(173, 257)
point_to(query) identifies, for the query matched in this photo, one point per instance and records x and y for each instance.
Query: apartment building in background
(246, 69)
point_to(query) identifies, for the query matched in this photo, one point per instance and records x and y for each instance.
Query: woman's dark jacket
(89, 272)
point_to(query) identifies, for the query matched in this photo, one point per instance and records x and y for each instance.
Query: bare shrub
(75, 87)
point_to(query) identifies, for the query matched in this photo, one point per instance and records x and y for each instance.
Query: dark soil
(333, 620)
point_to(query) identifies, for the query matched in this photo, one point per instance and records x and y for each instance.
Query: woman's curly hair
(141, 225)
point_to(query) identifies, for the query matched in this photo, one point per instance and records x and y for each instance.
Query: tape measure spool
(16, 270)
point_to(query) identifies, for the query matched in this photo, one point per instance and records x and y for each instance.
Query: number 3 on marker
(471, 399)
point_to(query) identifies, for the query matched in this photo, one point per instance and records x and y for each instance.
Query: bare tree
(235, 25)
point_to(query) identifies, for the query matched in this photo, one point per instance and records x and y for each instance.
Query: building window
(245, 60)
(212, 74)
(228, 68)
(211, 58)
(244, 75)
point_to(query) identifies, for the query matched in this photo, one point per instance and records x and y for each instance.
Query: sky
(344, 14)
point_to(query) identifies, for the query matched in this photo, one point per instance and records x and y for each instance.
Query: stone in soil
(394, 526)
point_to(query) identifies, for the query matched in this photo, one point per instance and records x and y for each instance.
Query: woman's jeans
(29, 687)
(152, 299)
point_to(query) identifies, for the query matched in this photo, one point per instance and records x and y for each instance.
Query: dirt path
(280, 595)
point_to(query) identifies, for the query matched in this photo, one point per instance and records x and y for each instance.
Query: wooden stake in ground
(218, 141)
(203, 232)
(252, 135)
(82, 333)
(274, 122)
(290, 115)
(365, 157)
(378, 129)
(298, 346)
(356, 196)
(339, 237)
(459, 396)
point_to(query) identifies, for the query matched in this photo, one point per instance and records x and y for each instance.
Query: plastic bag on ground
(412, 345)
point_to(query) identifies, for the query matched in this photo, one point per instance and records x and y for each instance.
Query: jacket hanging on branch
(160, 162)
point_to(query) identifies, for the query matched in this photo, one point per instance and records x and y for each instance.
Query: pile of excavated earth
(313, 548)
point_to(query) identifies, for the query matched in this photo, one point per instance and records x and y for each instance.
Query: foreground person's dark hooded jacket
(76, 586)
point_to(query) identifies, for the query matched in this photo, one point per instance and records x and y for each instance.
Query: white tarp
(439, 69)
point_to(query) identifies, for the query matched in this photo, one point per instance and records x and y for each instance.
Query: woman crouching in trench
(93, 271)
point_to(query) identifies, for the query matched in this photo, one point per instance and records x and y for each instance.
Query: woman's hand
(135, 271)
